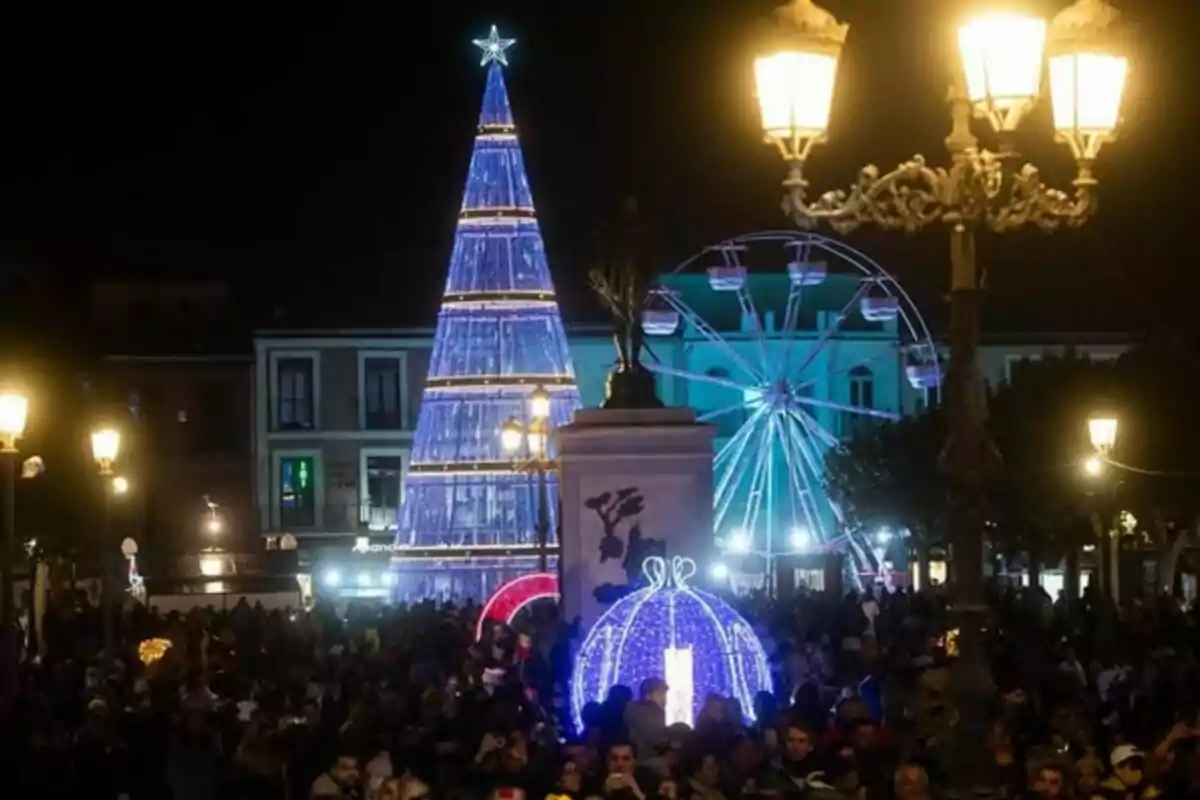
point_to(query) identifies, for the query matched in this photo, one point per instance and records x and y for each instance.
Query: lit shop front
(360, 572)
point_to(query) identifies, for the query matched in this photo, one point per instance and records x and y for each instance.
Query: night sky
(323, 157)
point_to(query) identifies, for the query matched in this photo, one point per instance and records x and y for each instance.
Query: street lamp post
(106, 445)
(14, 408)
(529, 446)
(1002, 57)
(1102, 433)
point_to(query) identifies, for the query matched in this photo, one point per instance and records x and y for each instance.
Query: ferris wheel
(788, 342)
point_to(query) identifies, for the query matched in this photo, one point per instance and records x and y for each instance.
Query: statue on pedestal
(623, 283)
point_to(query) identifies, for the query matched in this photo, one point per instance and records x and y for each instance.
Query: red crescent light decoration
(511, 597)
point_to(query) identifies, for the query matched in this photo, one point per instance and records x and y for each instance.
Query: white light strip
(677, 666)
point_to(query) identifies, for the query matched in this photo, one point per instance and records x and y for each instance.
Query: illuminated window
(297, 496)
(294, 394)
(383, 483)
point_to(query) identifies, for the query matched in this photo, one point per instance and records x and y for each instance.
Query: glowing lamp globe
(669, 630)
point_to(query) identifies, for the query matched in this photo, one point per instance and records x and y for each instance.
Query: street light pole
(14, 409)
(1102, 433)
(8, 610)
(529, 447)
(106, 445)
(1002, 63)
(543, 526)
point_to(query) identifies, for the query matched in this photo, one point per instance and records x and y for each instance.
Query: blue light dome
(669, 630)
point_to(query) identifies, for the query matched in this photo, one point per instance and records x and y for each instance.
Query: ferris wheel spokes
(750, 312)
(815, 430)
(829, 331)
(709, 416)
(734, 470)
(807, 473)
(861, 362)
(675, 372)
(733, 476)
(847, 407)
(708, 332)
(757, 478)
(802, 493)
(738, 440)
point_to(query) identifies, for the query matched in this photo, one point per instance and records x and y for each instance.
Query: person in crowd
(1094, 700)
(646, 718)
(1128, 779)
(1048, 781)
(343, 779)
(911, 782)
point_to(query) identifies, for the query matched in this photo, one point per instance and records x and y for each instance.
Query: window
(862, 395)
(297, 492)
(862, 388)
(382, 490)
(294, 387)
(381, 393)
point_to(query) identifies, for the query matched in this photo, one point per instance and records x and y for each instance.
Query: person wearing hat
(1128, 780)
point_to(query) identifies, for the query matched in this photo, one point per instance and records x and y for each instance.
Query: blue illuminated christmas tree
(469, 516)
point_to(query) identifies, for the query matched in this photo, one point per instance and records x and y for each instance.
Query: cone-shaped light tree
(470, 513)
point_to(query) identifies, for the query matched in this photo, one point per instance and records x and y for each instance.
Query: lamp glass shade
(511, 436)
(106, 444)
(1002, 59)
(1102, 431)
(795, 92)
(539, 403)
(1086, 90)
(536, 441)
(14, 409)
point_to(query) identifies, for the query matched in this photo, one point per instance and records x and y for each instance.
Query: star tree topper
(493, 48)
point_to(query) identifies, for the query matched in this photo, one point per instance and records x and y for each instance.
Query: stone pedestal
(633, 483)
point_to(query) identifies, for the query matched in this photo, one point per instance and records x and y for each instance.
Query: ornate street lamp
(106, 446)
(528, 444)
(1102, 432)
(1002, 57)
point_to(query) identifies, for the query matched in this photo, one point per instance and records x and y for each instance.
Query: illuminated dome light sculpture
(691, 639)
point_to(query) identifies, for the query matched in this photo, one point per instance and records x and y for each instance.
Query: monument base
(634, 483)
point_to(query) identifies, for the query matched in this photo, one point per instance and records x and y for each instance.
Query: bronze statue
(624, 284)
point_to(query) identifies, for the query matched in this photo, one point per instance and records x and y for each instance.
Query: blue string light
(662, 630)
(499, 335)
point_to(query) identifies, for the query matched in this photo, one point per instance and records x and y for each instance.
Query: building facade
(333, 415)
(182, 401)
(335, 412)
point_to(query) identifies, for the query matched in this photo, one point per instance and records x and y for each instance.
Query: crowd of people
(402, 703)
